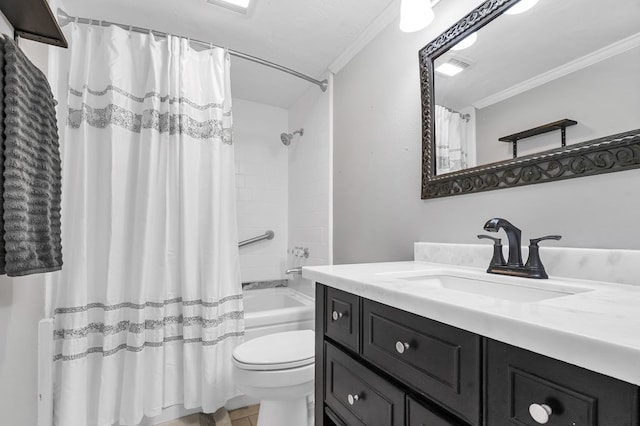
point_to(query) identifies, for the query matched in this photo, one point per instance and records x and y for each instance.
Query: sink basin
(498, 290)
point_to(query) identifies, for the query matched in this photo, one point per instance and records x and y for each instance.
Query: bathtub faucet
(296, 270)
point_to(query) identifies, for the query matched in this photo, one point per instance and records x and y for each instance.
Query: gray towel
(32, 173)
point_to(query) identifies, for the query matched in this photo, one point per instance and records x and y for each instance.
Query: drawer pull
(336, 315)
(352, 399)
(401, 347)
(540, 413)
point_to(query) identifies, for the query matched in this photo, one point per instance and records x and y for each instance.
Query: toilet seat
(277, 369)
(279, 351)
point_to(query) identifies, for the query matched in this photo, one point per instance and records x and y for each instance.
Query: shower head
(286, 137)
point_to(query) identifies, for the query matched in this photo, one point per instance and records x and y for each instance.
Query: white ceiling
(305, 35)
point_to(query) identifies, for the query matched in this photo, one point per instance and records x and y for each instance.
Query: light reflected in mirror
(571, 59)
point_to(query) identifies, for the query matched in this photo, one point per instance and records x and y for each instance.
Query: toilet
(278, 370)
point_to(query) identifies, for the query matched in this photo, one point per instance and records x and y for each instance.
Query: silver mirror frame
(604, 155)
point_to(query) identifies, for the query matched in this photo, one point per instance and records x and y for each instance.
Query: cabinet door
(418, 415)
(524, 388)
(342, 318)
(359, 396)
(437, 360)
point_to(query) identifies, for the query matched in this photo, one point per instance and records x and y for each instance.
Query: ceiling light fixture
(521, 6)
(466, 42)
(415, 15)
(240, 6)
(449, 69)
(452, 67)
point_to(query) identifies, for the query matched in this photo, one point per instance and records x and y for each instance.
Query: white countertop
(598, 329)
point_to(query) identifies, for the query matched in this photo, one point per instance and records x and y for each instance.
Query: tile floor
(246, 416)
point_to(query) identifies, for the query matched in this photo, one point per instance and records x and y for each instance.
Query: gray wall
(378, 213)
(22, 305)
(611, 104)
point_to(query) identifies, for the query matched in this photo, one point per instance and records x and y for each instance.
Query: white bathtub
(272, 310)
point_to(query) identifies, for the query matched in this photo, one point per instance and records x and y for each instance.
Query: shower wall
(310, 180)
(261, 182)
(285, 189)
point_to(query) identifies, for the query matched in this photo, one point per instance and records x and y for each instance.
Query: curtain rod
(65, 19)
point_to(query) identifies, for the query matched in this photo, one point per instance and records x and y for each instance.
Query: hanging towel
(31, 168)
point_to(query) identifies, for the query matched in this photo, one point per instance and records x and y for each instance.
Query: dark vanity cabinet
(381, 366)
(517, 379)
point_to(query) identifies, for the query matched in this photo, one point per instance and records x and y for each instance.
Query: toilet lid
(276, 351)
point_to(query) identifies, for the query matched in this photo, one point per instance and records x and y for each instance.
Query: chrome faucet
(513, 266)
(296, 270)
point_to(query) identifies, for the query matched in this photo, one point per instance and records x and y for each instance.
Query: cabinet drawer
(358, 395)
(517, 378)
(342, 318)
(418, 415)
(437, 360)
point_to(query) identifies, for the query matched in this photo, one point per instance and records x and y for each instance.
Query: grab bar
(267, 236)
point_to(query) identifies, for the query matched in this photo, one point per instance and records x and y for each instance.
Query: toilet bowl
(278, 370)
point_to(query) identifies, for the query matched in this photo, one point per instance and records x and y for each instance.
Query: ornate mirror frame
(605, 155)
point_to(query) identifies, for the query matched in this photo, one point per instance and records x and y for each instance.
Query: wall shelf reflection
(545, 128)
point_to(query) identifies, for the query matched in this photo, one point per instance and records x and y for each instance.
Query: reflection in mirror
(570, 59)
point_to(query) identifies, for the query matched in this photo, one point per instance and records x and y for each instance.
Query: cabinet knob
(336, 315)
(401, 347)
(352, 398)
(540, 413)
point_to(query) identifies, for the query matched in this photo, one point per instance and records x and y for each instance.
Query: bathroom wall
(611, 107)
(310, 181)
(261, 182)
(378, 212)
(22, 305)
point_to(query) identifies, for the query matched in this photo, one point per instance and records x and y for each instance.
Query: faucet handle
(535, 241)
(498, 257)
(489, 237)
(534, 264)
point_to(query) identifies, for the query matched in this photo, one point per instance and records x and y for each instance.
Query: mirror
(549, 93)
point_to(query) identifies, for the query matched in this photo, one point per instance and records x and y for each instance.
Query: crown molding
(382, 21)
(585, 61)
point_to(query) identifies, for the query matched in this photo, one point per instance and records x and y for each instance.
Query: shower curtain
(149, 304)
(451, 141)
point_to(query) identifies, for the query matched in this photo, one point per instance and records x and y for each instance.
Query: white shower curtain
(452, 148)
(149, 302)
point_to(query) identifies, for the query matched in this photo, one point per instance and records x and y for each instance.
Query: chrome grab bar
(267, 236)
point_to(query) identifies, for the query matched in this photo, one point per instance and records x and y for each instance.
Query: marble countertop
(598, 329)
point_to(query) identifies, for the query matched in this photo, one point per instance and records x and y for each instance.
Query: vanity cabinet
(358, 395)
(522, 384)
(377, 365)
(342, 312)
(436, 360)
(380, 366)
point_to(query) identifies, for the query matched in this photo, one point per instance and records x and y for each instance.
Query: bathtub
(272, 310)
